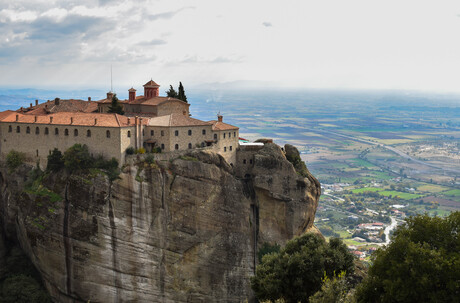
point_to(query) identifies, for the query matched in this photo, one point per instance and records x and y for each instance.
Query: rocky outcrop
(185, 230)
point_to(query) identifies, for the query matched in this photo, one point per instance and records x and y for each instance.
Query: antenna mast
(111, 86)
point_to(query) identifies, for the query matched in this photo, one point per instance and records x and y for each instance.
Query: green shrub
(55, 161)
(130, 150)
(157, 150)
(266, 249)
(14, 159)
(77, 158)
(140, 151)
(150, 159)
(298, 270)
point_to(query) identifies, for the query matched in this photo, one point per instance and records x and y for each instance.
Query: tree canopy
(172, 93)
(116, 107)
(297, 271)
(181, 94)
(421, 264)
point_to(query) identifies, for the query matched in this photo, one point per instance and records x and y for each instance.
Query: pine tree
(171, 92)
(181, 95)
(116, 107)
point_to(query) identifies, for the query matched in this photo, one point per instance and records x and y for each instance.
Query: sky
(345, 44)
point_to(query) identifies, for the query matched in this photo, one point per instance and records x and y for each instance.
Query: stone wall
(170, 107)
(37, 146)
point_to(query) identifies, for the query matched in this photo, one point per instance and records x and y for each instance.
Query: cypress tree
(181, 95)
(171, 92)
(116, 107)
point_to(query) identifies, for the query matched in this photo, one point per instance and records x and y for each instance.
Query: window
(244, 161)
(107, 134)
(203, 132)
(225, 148)
(215, 136)
(190, 146)
(229, 135)
(10, 129)
(176, 146)
(75, 132)
(56, 131)
(151, 133)
(18, 129)
(37, 130)
(202, 144)
(47, 131)
(162, 146)
(129, 133)
(189, 132)
(88, 133)
(66, 132)
(162, 133)
(250, 161)
(224, 135)
(234, 134)
(28, 130)
(230, 148)
(176, 133)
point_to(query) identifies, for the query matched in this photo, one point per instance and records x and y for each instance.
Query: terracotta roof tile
(68, 118)
(70, 105)
(151, 83)
(216, 125)
(176, 120)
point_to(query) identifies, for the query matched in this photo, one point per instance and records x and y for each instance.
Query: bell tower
(151, 89)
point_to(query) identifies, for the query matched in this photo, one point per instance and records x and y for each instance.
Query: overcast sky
(401, 44)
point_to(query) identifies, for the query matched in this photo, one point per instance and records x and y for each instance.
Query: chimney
(132, 94)
(17, 117)
(71, 120)
(129, 121)
(95, 121)
(51, 120)
(220, 118)
(89, 98)
(35, 118)
(30, 105)
(109, 95)
(36, 102)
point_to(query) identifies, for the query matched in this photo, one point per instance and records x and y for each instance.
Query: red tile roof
(151, 83)
(70, 105)
(176, 120)
(216, 125)
(68, 118)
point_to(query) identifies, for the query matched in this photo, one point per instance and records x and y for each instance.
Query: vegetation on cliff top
(297, 271)
(14, 159)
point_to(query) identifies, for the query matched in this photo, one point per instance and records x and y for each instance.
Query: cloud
(152, 42)
(168, 15)
(267, 24)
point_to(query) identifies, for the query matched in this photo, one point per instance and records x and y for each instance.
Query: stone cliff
(184, 230)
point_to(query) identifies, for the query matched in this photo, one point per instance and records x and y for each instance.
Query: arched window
(176, 133)
(28, 130)
(107, 134)
(189, 132)
(190, 146)
(47, 131)
(230, 148)
(37, 130)
(56, 131)
(176, 146)
(66, 132)
(229, 135)
(75, 132)
(10, 129)
(244, 161)
(203, 132)
(215, 136)
(162, 133)
(224, 135)
(250, 161)
(234, 134)
(18, 129)
(152, 133)
(162, 146)
(129, 133)
(88, 133)
(225, 148)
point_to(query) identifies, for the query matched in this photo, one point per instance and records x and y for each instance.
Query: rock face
(185, 230)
